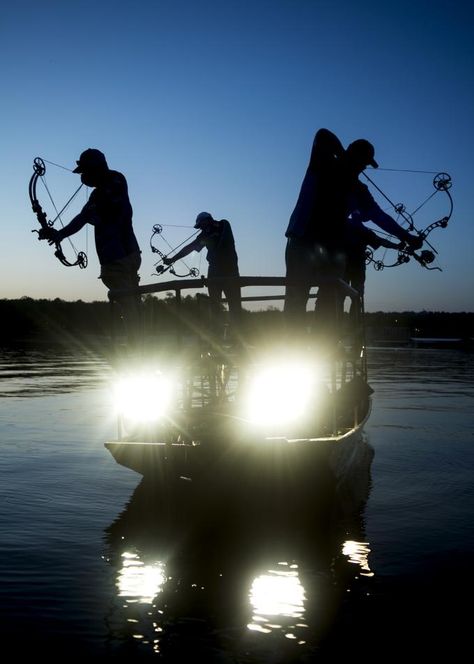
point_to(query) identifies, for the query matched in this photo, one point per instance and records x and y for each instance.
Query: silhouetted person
(218, 239)
(317, 231)
(110, 212)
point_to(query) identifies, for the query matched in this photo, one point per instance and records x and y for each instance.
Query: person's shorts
(122, 273)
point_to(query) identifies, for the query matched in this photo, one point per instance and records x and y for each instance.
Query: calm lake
(89, 565)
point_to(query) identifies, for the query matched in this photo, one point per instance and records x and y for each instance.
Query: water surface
(95, 562)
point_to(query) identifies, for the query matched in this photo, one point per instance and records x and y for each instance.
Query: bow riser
(39, 169)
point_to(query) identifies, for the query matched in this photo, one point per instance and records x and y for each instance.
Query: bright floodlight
(143, 398)
(281, 394)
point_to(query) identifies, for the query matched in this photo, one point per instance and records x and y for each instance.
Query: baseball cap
(361, 147)
(90, 159)
(202, 218)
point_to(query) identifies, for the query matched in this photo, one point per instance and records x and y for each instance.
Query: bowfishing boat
(258, 413)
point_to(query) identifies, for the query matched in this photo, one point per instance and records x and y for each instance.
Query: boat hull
(271, 467)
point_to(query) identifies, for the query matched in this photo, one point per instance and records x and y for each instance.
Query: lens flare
(143, 398)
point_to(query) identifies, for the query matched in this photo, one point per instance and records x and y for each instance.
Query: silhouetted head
(361, 154)
(92, 165)
(203, 220)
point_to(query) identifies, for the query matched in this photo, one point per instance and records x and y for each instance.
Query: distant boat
(241, 417)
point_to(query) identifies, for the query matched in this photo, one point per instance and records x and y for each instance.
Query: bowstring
(58, 213)
(173, 249)
(400, 214)
(407, 170)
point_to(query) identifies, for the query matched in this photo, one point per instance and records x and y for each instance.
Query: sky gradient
(214, 105)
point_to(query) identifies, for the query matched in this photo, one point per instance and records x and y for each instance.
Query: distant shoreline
(60, 321)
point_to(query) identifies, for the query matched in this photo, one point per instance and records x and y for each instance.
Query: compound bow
(39, 169)
(160, 267)
(442, 182)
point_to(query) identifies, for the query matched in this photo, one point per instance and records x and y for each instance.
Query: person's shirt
(220, 245)
(110, 212)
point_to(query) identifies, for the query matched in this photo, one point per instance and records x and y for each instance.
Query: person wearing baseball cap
(91, 159)
(203, 220)
(363, 152)
(110, 212)
(362, 207)
(223, 271)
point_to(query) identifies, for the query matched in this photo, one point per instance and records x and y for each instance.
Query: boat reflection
(221, 584)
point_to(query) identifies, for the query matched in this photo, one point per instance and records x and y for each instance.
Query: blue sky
(214, 105)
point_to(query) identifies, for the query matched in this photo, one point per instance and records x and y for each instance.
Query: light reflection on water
(81, 570)
(357, 553)
(139, 582)
(254, 582)
(276, 596)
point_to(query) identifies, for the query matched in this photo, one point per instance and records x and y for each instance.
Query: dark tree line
(27, 319)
